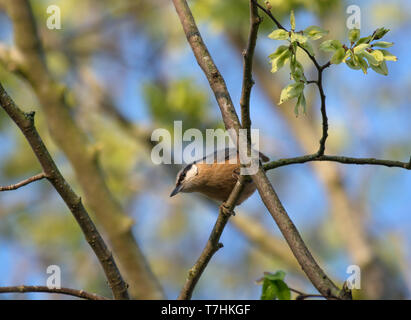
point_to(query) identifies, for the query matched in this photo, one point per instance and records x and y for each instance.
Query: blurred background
(127, 70)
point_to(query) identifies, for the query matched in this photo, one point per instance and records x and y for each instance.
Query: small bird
(214, 180)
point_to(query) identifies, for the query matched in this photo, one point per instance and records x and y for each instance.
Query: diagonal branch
(205, 61)
(68, 291)
(23, 183)
(248, 81)
(213, 244)
(25, 122)
(267, 193)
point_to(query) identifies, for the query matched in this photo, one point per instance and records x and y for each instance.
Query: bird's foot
(226, 210)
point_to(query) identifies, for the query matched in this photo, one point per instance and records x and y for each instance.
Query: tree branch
(68, 291)
(205, 61)
(340, 159)
(37, 177)
(25, 122)
(267, 193)
(74, 142)
(248, 81)
(213, 244)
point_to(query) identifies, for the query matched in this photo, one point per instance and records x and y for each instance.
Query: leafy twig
(319, 82)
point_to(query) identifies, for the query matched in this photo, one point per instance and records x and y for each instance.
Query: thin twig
(68, 291)
(213, 244)
(37, 177)
(340, 159)
(25, 122)
(248, 81)
(303, 296)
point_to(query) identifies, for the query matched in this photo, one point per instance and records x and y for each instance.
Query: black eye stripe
(184, 172)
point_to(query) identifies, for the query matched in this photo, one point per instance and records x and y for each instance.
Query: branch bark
(68, 291)
(25, 122)
(74, 143)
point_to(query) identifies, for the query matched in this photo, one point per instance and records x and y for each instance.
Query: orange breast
(218, 180)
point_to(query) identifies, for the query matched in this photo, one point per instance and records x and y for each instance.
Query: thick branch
(340, 159)
(26, 124)
(24, 182)
(68, 291)
(267, 193)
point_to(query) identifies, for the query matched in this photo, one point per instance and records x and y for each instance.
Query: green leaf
(279, 58)
(278, 52)
(380, 33)
(364, 40)
(382, 44)
(330, 45)
(352, 64)
(374, 58)
(298, 37)
(268, 290)
(292, 20)
(381, 68)
(360, 48)
(297, 71)
(308, 46)
(275, 289)
(283, 292)
(315, 33)
(279, 275)
(388, 56)
(363, 64)
(279, 34)
(354, 35)
(291, 91)
(300, 102)
(338, 56)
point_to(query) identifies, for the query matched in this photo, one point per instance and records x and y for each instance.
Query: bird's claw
(226, 211)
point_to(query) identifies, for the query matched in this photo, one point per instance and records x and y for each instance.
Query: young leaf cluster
(288, 54)
(274, 287)
(362, 53)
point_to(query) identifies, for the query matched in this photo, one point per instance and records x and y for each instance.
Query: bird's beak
(176, 190)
